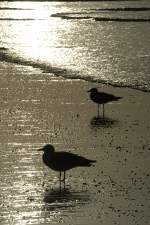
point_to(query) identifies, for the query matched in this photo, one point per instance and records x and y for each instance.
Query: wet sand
(36, 109)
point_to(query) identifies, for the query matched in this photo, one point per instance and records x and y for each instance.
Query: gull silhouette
(63, 161)
(101, 98)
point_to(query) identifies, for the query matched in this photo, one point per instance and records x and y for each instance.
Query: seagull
(101, 98)
(63, 161)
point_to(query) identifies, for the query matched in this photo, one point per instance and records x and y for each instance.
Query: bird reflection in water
(98, 122)
(54, 199)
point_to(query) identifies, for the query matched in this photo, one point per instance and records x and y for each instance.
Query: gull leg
(64, 176)
(98, 110)
(60, 181)
(60, 176)
(103, 111)
(64, 179)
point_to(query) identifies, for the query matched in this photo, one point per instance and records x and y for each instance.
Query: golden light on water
(34, 33)
(39, 108)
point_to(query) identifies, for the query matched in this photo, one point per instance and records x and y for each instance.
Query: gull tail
(117, 98)
(90, 162)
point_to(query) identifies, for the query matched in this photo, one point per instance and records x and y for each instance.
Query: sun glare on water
(37, 35)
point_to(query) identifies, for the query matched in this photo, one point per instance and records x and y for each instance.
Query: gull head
(93, 90)
(48, 148)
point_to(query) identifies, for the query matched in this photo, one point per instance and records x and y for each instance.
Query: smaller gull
(101, 98)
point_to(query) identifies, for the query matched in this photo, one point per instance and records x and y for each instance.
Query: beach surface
(38, 108)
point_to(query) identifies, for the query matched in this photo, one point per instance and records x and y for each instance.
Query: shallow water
(106, 42)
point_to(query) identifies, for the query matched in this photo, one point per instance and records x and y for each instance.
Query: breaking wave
(18, 19)
(123, 19)
(123, 9)
(9, 8)
(81, 16)
(96, 15)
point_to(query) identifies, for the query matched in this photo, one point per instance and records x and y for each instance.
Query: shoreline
(59, 72)
(37, 109)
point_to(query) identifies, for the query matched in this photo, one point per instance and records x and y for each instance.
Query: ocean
(100, 41)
